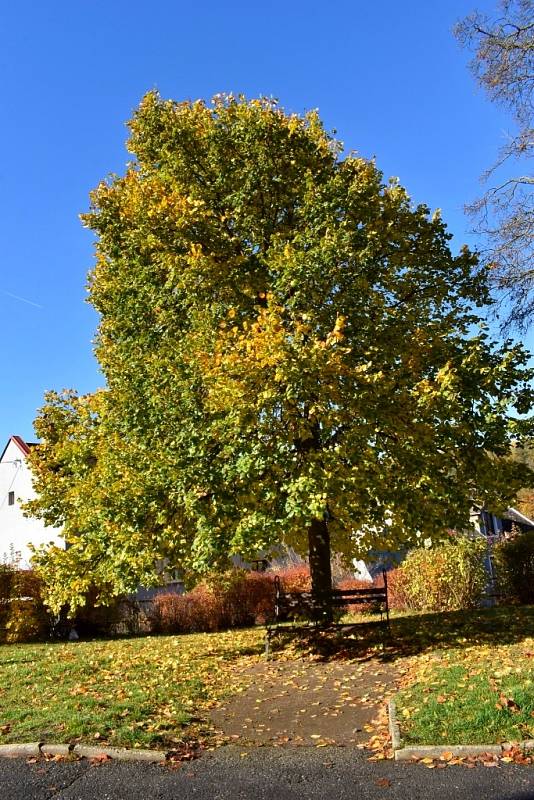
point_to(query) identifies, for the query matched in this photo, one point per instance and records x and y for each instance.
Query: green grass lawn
(468, 677)
(472, 687)
(145, 692)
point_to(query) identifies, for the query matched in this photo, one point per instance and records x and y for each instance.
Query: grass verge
(478, 689)
(146, 692)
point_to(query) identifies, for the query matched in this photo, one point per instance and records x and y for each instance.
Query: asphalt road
(265, 773)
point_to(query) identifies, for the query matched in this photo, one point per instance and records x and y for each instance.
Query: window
(11, 499)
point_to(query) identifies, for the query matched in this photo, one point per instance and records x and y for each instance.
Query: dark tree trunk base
(320, 568)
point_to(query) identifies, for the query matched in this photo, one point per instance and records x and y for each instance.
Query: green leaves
(283, 336)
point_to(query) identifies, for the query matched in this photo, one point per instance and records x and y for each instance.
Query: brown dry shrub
(231, 599)
(184, 613)
(258, 589)
(295, 578)
(397, 597)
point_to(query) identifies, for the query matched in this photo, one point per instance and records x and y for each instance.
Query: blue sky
(388, 76)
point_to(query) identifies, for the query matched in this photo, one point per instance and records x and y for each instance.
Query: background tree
(503, 65)
(291, 354)
(525, 497)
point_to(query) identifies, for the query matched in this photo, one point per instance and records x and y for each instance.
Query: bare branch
(503, 65)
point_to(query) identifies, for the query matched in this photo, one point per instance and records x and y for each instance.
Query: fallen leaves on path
(307, 701)
(380, 741)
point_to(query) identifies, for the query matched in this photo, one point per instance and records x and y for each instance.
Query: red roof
(23, 446)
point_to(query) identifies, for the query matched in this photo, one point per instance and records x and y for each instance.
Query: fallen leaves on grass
(138, 692)
(507, 702)
(471, 694)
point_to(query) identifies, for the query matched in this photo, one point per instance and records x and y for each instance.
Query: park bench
(302, 605)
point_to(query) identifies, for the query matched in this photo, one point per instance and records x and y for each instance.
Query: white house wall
(16, 530)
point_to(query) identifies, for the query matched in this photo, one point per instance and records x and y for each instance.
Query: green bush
(514, 567)
(445, 577)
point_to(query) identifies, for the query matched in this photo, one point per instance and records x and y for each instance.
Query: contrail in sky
(22, 299)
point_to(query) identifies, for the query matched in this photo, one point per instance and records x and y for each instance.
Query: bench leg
(268, 636)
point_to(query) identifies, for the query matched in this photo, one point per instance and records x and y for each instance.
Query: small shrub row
(442, 578)
(454, 576)
(237, 598)
(25, 618)
(233, 599)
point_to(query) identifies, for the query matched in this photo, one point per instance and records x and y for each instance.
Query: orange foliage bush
(295, 578)
(397, 597)
(238, 598)
(185, 613)
(396, 582)
(230, 600)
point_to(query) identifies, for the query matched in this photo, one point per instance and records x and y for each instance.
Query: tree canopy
(292, 354)
(503, 65)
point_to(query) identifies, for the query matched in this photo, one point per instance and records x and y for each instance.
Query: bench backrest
(361, 595)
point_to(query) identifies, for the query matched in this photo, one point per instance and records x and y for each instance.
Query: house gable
(16, 487)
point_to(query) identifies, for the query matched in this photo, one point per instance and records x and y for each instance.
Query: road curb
(29, 749)
(454, 751)
(436, 751)
(63, 750)
(394, 730)
(38, 749)
(120, 754)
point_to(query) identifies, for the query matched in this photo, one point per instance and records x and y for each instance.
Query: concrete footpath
(262, 773)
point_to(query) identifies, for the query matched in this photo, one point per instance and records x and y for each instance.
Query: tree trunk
(320, 568)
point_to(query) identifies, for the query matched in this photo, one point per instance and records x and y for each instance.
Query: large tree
(503, 65)
(291, 353)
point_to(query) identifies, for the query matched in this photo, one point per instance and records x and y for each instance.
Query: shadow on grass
(417, 633)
